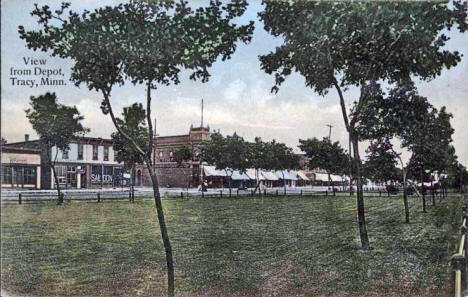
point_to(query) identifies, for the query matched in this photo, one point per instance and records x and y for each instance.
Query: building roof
(17, 149)
(85, 139)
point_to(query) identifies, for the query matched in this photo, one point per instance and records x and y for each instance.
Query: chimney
(26, 137)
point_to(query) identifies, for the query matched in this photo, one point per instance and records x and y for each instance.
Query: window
(6, 175)
(160, 156)
(61, 171)
(95, 152)
(80, 151)
(65, 154)
(106, 153)
(171, 156)
(29, 175)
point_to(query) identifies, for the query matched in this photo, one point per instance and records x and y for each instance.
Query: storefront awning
(321, 177)
(288, 175)
(212, 171)
(269, 175)
(236, 175)
(251, 174)
(302, 175)
(324, 177)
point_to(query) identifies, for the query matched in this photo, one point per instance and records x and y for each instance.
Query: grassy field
(271, 246)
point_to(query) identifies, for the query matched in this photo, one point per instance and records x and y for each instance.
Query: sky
(237, 97)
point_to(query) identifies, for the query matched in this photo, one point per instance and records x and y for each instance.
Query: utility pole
(329, 131)
(201, 113)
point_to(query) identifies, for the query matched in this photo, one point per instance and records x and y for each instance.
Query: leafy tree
(281, 158)
(56, 125)
(258, 158)
(182, 154)
(146, 43)
(381, 162)
(335, 45)
(325, 155)
(226, 153)
(134, 125)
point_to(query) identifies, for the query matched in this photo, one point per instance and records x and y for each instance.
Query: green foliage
(182, 154)
(404, 114)
(325, 155)
(279, 156)
(359, 41)
(134, 125)
(230, 152)
(381, 162)
(55, 123)
(145, 42)
(234, 153)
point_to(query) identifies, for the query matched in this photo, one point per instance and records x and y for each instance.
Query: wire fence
(101, 195)
(459, 262)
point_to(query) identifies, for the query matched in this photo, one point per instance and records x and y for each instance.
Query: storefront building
(89, 163)
(21, 168)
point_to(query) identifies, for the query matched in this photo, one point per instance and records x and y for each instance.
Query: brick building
(169, 172)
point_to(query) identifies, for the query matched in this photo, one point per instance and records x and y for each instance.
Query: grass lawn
(272, 246)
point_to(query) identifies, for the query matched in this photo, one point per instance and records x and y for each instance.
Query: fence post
(264, 192)
(301, 192)
(380, 193)
(334, 192)
(19, 198)
(458, 262)
(130, 196)
(237, 192)
(276, 192)
(181, 194)
(98, 197)
(251, 192)
(221, 193)
(326, 193)
(62, 196)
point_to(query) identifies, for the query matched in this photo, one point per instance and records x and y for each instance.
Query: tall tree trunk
(257, 177)
(350, 167)
(57, 185)
(432, 193)
(360, 197)
(405, 198)
(330, 182)
(284, 182)
(423, 194)
(163, 229)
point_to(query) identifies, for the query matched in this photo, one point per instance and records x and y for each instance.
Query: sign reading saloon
(106, 175)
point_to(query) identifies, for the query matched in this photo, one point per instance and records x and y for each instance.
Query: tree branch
(343, 106)
(148, 119)
(111, 112)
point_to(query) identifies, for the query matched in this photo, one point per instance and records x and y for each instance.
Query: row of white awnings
(324, 177)
(251, 174)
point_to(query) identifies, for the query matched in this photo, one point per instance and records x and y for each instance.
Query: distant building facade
(89, 163)
(21, 167)
(168, 171)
